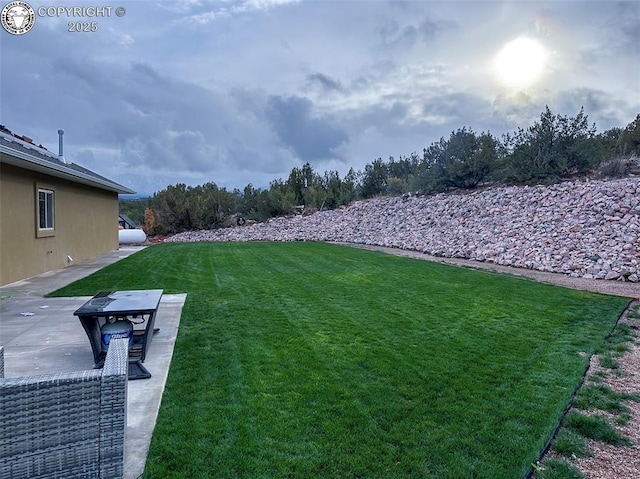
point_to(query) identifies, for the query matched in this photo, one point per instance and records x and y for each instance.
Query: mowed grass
(305, 360)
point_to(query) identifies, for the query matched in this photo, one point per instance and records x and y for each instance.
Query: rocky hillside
(588, 229)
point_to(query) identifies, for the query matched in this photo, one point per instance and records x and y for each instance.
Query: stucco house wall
(85, 218)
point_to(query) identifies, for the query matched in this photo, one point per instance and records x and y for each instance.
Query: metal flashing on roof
(25, 154)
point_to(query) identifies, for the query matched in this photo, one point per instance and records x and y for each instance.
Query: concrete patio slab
(41, 335)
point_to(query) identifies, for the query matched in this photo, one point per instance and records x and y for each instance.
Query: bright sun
(519, 64)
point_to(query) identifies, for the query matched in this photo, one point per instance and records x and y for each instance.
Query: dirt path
(616, 288)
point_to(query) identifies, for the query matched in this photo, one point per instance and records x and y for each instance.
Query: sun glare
(519, 64)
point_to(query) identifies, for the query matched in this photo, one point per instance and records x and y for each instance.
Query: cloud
(311, 138)
(179, 6)
(600, 106)
(85, 157)
(624, 29)
(126, 40)
(239, 91)
(430, 29)
(455, 108)
(170, 150)
(252, 5)
(387, 84)
(392, 35)
(213, 11)
(326, 83)
(517, 109)
(135, 116)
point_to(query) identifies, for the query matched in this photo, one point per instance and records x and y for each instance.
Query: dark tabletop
(121, 302)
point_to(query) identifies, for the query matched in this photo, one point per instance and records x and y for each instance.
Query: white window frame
(45, 204)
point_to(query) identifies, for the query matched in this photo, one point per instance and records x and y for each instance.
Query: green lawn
(304, 360)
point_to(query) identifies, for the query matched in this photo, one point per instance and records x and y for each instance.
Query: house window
(46, 210)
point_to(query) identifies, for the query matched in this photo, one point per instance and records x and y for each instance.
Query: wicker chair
(65, 425)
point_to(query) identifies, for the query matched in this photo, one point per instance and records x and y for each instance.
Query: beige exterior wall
(86, 224)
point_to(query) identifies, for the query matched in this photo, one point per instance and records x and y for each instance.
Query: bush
(550, 149)
(630, 138)
(150, 226)
(396, 186)
(618, 167)
(462, 161)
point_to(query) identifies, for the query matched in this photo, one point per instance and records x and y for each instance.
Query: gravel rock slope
(583, 229)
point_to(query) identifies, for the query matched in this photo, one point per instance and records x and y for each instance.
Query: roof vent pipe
(60, 151)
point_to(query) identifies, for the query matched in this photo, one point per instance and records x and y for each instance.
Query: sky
(242, 91)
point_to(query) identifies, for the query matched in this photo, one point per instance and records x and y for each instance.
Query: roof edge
(55, 168)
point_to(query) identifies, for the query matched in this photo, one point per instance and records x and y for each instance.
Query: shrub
(554, 147)
(150, 223)
(462, 161)
(618, 167)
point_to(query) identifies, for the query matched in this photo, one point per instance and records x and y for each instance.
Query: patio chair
(65, 425)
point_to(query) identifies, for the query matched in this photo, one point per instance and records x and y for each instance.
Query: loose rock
(588, 229)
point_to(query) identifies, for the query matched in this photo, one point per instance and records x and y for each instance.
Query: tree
(554, 147)
(150, 223)
(348, 187)
(630, 138)
(249, 201)
(333, 188)
(374, 179)
(404, 168)
(608, 144)
(462, 161)
(277, 201)
(396, 186)
(296, 183)
(182, 208)
(171, 209)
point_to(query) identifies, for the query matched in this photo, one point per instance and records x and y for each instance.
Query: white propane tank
(113, 329)
(131, 236)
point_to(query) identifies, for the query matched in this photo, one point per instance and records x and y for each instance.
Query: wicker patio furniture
(65, 425)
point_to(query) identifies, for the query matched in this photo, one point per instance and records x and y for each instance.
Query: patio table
(137, 306)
